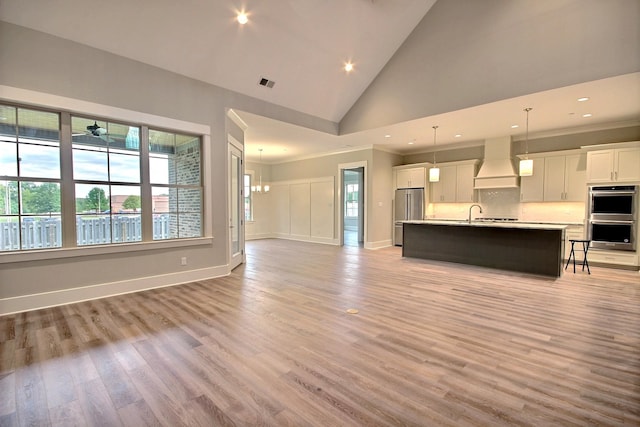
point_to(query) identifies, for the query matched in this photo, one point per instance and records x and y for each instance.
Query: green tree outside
(132, 202)
(9, 198)
(96, 200)
(42, 198)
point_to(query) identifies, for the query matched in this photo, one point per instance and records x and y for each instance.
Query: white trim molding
(379, 244)
(47, 100)
(69, 296)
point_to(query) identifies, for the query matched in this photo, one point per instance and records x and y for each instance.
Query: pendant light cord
(434, 144)
(526, 140)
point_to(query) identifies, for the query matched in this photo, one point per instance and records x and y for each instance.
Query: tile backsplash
(500, 203)
(505, 203)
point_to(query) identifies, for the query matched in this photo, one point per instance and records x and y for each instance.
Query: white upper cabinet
(464, 183)
(445, 189)
(626, 164)
(564, 178)
(554, 172)
(532, 187)
(556, 178)
(614, 165)
(410, 178)
(456, 183)
(575, 178)
(600, 166)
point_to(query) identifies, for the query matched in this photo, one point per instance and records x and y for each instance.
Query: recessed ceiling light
(242, 18)
(348, 67)
(387, 136)
(584, 98)
(587, 115)
(411, 142)
(458, 135)
(514, 126)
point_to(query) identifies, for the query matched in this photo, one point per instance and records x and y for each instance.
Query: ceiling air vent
(266, 82)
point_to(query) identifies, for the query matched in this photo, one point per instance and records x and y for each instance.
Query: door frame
(235, 148)
(340, 222)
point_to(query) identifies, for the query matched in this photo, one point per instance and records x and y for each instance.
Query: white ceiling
(303, 45)
(612, 102)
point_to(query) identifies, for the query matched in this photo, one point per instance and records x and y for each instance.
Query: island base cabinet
(528, 250)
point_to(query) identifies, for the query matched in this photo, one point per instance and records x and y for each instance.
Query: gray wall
(466, 53)
(536, 145)
(39, 62)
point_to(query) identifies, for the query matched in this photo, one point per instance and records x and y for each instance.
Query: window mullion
(68, 189)
(146, 197)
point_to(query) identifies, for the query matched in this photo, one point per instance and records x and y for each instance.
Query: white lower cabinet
(575, 232)
(623, 258)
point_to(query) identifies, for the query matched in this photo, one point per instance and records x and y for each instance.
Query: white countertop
(500, 224)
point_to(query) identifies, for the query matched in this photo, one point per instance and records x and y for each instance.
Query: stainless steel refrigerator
(409, 205)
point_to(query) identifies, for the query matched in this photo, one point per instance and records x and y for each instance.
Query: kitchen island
(515, 246)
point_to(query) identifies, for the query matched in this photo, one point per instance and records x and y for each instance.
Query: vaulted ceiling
(302, 46)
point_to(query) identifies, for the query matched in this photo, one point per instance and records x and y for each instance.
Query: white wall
(304, 209)
(282, 202)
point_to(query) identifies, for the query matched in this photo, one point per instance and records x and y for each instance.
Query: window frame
(21, 177)
(21, 98)
(350, 200)
(249, 194)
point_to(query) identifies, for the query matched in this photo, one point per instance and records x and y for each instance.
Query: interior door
(236, 204)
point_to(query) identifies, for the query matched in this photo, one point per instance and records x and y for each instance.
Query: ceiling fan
(96, 130)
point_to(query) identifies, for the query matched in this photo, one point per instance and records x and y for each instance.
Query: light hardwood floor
(433, 344)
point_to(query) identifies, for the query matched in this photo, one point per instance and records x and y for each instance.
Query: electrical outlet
(183, 260)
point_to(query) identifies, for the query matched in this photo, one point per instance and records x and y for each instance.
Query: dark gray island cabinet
(523, 247)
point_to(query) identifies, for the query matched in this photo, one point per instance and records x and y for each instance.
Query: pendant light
(526, 164)
(259, 188)
(434, 172)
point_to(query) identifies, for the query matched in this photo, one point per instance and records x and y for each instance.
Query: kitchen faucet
(471, 207)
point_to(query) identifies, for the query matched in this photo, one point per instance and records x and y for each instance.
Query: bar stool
(585, 249)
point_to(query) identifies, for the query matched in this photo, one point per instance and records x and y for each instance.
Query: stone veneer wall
(185, 204)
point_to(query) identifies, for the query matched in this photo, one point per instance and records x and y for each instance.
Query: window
(351, 200)
(30, 181)
(248, 198)
(176, 185)
(119, 189)
(106, 175)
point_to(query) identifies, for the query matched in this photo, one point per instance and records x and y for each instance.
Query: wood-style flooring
(433, 344)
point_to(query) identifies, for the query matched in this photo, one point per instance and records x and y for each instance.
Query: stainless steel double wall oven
(613, 217)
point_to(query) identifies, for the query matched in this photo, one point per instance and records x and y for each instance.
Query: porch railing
(42, 233)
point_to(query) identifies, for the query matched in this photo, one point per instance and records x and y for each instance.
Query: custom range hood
(497, 169)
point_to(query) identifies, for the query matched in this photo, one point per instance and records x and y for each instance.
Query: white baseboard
(310, 239)
(259, 236)
(326, 241)
(379, 244)
(70, 296)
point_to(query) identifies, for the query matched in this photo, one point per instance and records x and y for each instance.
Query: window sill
(47, 254)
